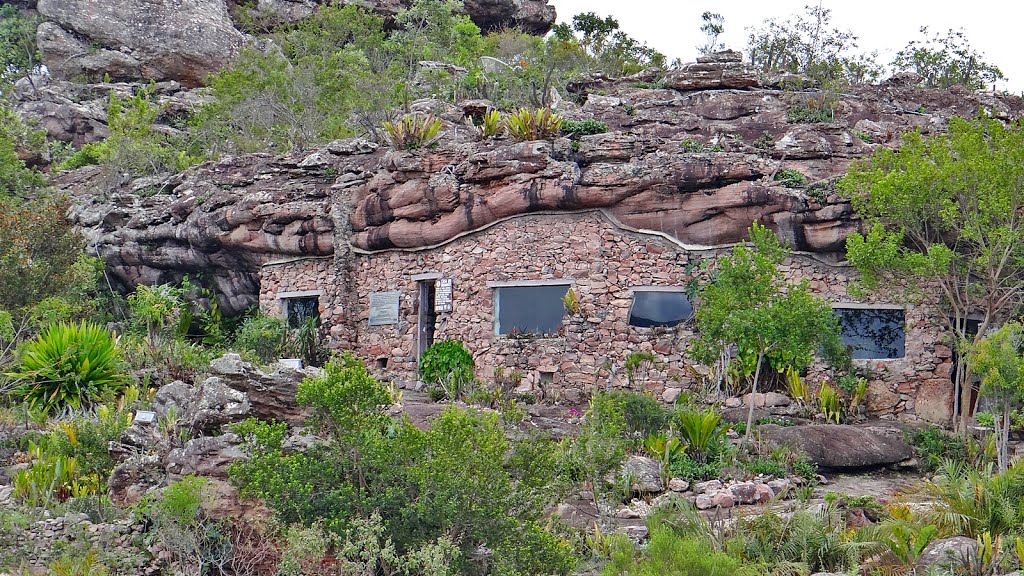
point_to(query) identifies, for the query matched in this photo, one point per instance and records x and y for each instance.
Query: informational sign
(383, 308)
(443, 295)
(144, 417)
(295, 363)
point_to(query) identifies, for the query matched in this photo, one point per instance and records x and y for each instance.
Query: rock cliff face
(230, 217)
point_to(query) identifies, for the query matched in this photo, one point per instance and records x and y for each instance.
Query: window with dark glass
(659, 308)
(873, 333)
(529, 309)
(298, 310)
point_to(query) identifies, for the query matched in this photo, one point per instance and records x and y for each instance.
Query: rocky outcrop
(842, 447)
(77, 113)
(691, 154)
(270, 395)
(184, 40)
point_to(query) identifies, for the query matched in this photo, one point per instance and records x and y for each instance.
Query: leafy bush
(790, 178)
(194, 541)
(69, 365)
(641, 415)
(829, 403)
(585, 127)
(934, 445)
(50, 478)
(449, 366)
(700, 430)
(38, 251)
(526, 125)
(765, 466)
(413, 131)
(86, 437)
(262, 335)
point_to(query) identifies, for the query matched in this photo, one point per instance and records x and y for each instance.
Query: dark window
(659, 308)
(873, 332)
(300, 309)
(529, 309)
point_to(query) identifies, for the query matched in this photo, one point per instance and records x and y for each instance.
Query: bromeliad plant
(69, 365)
(413, 131)
(526, 125)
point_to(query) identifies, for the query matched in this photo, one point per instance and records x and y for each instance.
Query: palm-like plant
(970, 501)
(69, 365)
(699, 428)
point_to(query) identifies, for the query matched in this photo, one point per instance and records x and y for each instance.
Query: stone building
(500, 291)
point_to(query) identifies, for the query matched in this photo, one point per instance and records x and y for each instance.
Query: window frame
(675, 289)
(569, 283)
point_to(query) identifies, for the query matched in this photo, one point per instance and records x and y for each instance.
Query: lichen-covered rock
(271, 395)
(644, 472)
(217, 404)
(204, 456)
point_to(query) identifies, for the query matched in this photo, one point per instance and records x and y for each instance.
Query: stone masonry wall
(604, 263)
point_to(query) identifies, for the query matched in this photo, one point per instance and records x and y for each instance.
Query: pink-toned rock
(723, 499)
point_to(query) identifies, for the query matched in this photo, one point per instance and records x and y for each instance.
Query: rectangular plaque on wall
(383, 308)
(443, 295)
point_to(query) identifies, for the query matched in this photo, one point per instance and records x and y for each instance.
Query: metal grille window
(873, 333)
(298, 310)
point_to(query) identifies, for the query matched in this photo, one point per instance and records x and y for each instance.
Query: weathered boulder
(183, 40)
(842, 447)
(946, 553)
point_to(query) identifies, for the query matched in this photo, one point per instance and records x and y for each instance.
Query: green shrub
(50, 478)
(86, 438)
(790, 178)
(764, 142)
(345, 398)
(641, 414)
(69, 365)
(934, 446)
(447, 365)
(413, 131)
(863, 136)
(527, 125)
(809, 115)
(585, 127)
(194, 541)
(90, 154)
(668, 553)
(765, 466)
(263, 336)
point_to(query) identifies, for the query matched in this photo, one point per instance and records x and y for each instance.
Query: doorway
(427, 317)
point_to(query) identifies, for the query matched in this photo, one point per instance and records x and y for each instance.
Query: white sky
(992, 27)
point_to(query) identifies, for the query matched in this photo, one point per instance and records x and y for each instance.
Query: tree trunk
(1003, 439)
(753, 391)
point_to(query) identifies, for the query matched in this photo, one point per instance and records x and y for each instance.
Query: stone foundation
(604, 262)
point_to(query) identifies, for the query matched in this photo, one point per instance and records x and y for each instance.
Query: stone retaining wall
(604, 263)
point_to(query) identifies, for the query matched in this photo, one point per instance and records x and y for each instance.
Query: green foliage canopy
(946, 209)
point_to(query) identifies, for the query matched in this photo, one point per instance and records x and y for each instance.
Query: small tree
(997, 359)
(751, 307)
(947, 61)
(946, 210)
(713, 26)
